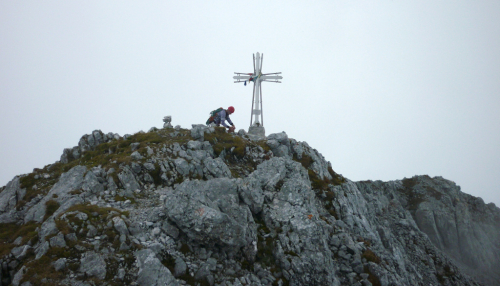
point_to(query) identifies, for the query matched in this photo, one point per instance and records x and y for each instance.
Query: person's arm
(223, 118)
(229, 120)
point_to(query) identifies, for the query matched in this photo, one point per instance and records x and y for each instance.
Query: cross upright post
(256, 129)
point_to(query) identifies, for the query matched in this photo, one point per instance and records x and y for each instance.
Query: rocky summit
(200, 206)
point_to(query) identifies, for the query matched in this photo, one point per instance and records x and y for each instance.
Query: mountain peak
(200, 206)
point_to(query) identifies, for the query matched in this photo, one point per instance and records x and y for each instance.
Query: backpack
(213, 113)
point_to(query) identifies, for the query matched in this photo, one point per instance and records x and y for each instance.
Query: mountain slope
(203, 207)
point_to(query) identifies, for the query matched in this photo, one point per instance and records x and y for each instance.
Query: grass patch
(91, 210)
(225, 141)
(10, 232)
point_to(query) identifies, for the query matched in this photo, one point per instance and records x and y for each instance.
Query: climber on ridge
(220, 115)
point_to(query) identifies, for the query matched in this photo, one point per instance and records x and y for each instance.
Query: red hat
(230, 109)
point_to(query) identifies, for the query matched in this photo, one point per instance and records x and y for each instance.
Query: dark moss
(279, 185)
(156, 175)
(43, 268)
(444, 273)
(333, 213)
(337, 179)
(409, 183)
(434, 193)
(369, 255)
(305, 160)
(283, 280)
(63, 226)
(330, 195)
(292, 253)
(372, 278)
(51, 208)
(265, 248)
(316, 182)
(185, 248)
(366, 242)
(28, 181)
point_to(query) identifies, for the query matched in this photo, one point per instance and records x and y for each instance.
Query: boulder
(60, 192)
(93, 264)
(209, 212)
(151, 270)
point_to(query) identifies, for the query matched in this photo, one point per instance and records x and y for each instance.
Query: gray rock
(71, 236)
(149, 166)
(111, 184)
(93, 264)
(48, 227)
(68, 182)
(198, 131)
(121, 274)
(18, 240)
(136, 156)
(242, 132)
(42, 249)
(180, 267)
(149, 151)
(157, 248)
(58, 240)
(169, 229)
(20, 252)
(60, 264)
(128, 180)
(92, 231)
(182, 166)
(194, 145)
(91, 184)
(215, 168)
(202, 272)
(135, 167)
(134, 146)
(151, 270)
(89, 142)
(11, 194)
(19, 275)
(209, 212)
(120, 225)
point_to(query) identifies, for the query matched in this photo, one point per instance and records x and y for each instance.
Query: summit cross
(257, 77)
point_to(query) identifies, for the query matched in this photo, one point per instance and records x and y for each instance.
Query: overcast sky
(383, 90)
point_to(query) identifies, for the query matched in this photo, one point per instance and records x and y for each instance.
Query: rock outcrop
(204, 207)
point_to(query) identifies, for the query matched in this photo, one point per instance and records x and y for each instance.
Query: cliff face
(203, 207)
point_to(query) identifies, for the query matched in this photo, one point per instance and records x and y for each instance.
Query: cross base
(257, 133)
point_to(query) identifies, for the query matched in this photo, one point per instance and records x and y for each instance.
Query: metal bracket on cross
(257, 77)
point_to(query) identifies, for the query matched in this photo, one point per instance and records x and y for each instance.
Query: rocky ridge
(203, 207)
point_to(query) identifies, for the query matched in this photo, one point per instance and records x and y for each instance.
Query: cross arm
(244, 77)
(264, 77)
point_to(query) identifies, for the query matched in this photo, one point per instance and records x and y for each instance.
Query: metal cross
(256, 117)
